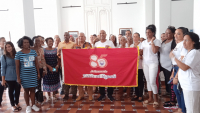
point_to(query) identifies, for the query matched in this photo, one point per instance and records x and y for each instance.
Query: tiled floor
(86, 106)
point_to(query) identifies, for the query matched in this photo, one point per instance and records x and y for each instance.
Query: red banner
(113, 67)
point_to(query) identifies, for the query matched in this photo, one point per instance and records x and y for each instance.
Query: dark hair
(49, 38)
(120, 34)
(162, 33)
(115, 42)
(152, 27)
(41, 36)
(129, 30)
(172, 29)
(20, 41)
(13, 50)
(184, 30)
(33, 39)
(2, 38)
(195, 38)
(94, 35)
(137, 33)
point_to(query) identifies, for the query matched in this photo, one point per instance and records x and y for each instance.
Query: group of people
(38, 66)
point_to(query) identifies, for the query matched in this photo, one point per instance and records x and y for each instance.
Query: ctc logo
(98, 62)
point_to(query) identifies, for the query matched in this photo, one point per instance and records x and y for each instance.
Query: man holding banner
(66, 44)
(104, 43)
(80, 45)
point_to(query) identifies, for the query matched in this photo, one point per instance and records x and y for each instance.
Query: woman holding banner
(139, 89)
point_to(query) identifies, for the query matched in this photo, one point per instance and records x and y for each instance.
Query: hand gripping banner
(112, 67)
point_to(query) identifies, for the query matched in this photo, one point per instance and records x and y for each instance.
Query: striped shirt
(28, 72)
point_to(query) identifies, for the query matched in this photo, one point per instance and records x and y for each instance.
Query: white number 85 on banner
(98, 62)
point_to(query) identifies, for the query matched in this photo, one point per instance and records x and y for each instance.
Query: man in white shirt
(104, 43)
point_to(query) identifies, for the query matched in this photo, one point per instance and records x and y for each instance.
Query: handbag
(6, 85)
(39, 96)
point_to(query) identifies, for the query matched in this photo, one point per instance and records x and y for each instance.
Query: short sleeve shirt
(190, 79)
(148, 55)
(104, 44)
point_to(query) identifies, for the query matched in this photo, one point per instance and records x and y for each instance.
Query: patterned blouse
(41, 59)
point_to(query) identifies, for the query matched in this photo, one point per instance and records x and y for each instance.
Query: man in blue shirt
(2, 42)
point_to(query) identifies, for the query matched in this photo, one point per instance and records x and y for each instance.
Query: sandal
(147, 102)
(19, 108)
(155, 104)
(15, 109)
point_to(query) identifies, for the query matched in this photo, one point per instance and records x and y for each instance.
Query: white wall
(162, 16)
(196, 16)
(16, 20)
(72, 19)
(182, 13)
(46, 19)
(4, 16)
(128, 16)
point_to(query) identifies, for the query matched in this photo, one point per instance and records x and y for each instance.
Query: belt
(175, 66)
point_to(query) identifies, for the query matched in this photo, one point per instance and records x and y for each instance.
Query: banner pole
(63, 76)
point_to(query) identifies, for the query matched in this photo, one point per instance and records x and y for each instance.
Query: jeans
(179, 94)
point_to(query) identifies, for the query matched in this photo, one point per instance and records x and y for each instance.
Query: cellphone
(54, 69)
(170, 81)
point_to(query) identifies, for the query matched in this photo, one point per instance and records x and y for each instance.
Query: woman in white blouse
(149, 49)
(189, 72)
(179, 51)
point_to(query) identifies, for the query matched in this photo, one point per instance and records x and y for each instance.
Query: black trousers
(167, 75)
(39, 87)
(109, 91)
(13, 86)
(1, 91)
(139, 89)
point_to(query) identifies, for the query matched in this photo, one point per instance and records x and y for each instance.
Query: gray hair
(83, 34)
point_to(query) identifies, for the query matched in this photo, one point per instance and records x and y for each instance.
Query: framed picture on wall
(123, 31)
(74, 34)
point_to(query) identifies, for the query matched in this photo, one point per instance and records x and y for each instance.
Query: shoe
(28, 109)
(111, 98)
(62, 93)
(66, 97)
(169, 106)
(90, 98)
(134, 98)
(74, 97)
(140, 100)
(15, 109)
(101, 98)
(79, 98)
(35, 108)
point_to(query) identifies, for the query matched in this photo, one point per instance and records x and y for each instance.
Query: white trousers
(192, 101)
(150, 72)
